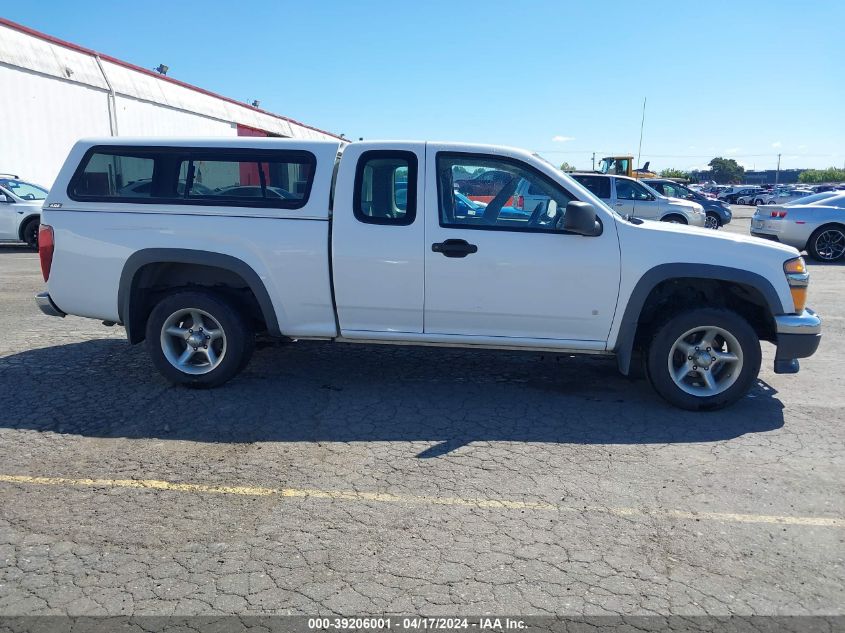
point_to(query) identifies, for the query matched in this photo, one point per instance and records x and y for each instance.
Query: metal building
(54, 92)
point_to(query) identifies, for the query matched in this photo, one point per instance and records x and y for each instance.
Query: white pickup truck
(197, 245)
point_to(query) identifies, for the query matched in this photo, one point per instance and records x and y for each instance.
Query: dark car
(734, 196)
(718, 212)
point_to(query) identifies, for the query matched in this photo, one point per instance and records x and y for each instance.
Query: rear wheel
(30, 232)
(712, 221)
(198, 339)
(827, 243)
(703, 359)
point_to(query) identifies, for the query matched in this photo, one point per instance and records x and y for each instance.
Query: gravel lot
(348, 479)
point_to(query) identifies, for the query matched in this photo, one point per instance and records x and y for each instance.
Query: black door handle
(454, 248)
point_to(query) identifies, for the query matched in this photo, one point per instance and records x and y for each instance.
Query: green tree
(564, 166)
(726, 170)
(675, 173)
(831, 174)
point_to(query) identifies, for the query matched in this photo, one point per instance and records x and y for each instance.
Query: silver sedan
(815, 224)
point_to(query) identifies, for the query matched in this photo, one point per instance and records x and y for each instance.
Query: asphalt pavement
(341, 479)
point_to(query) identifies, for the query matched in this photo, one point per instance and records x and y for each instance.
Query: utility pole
(642, 124)
(777, 173)
(594, 161)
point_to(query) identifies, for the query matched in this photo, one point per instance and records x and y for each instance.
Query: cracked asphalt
(338, 479)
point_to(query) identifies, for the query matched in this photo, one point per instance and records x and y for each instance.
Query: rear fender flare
(139, 259)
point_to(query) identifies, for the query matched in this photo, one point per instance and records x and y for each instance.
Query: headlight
(798, 279)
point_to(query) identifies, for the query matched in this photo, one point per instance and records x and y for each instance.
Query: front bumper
(798, 336)
(45, 303)
(697, 219)
(724, 213)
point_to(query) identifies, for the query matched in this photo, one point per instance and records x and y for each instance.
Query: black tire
(29, 234)
(664, 338)
(813, 243)
(238, 342)
(677, 219)
(715, 217)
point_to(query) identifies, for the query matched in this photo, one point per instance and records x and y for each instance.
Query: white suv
(635, 198)
(20, 210)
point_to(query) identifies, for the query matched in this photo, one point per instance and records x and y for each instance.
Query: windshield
(651, 190)
(617, 166)
(23, 190)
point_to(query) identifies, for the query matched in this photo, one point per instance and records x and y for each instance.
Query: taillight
(520, 202)
(778, 214)
(46, 246)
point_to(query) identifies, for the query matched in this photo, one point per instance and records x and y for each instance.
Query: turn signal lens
(797, 277)
(796, 265)
(799, 298)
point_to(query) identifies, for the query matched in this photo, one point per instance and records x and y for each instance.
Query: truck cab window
(490, 192)
(386, 187)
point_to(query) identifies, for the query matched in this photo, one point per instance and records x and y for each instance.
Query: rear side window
(114, 176)
(205, 176)
(598, 185)
(386, 187)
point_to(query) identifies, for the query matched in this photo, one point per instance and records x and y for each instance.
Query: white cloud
(776, 144)
(562, 139)
(732, 150)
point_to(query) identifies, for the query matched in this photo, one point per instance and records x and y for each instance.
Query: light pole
(777, 173)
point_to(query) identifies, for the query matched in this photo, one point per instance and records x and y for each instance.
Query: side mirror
(580, 218)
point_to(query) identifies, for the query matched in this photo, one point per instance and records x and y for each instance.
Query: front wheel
(674, 219)
(197, 339)
(712, 221)
(703, 359)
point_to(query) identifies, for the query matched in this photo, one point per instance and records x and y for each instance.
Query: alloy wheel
(830, 244)
(705, 361)
(193, 341)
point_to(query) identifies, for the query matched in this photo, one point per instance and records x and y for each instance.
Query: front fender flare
(630, 319)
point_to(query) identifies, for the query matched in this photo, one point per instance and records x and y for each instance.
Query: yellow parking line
(385, 497)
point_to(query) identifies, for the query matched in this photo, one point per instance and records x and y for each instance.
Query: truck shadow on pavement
(308, 392)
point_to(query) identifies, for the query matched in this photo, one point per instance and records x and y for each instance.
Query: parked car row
(718, 213)
(625, 195)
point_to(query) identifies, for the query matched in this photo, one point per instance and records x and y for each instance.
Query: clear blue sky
(740, 79)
